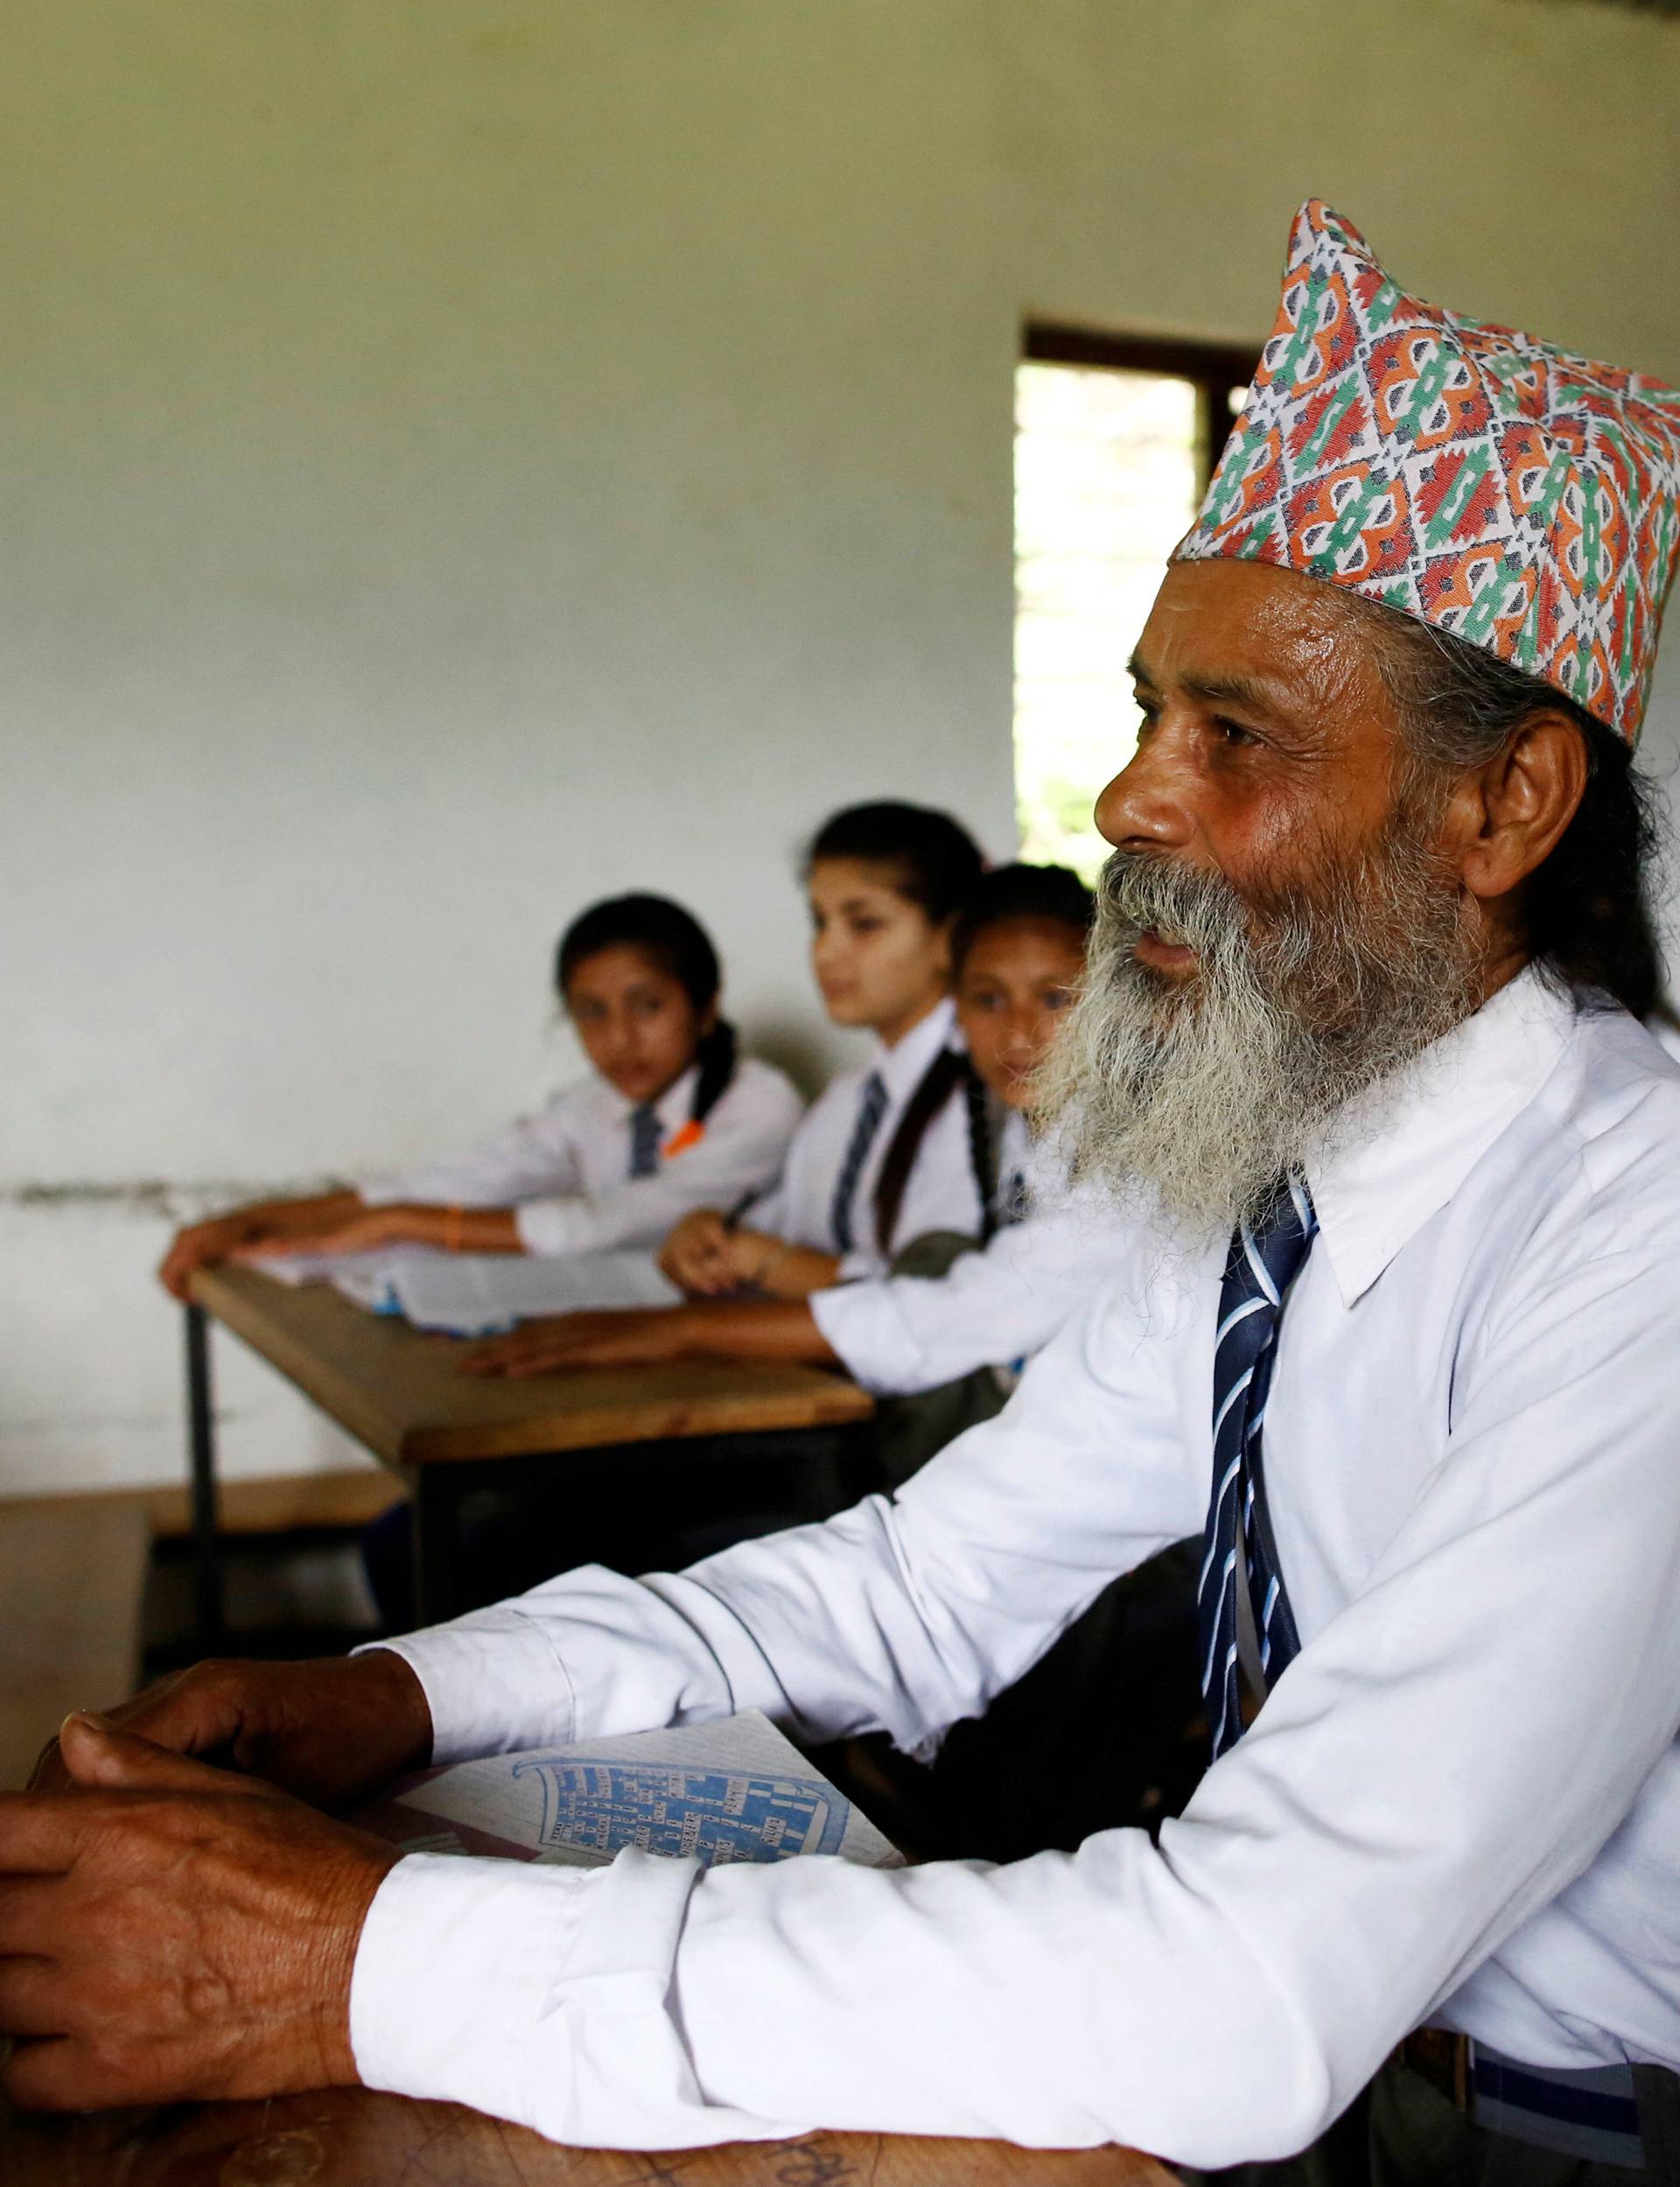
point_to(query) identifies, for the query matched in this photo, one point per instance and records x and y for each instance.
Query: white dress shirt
(1462, 1802)
(566, 1172)
(941, 1194)
(898, 1334)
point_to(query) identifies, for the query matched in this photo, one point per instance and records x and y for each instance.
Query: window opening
(1114, 441)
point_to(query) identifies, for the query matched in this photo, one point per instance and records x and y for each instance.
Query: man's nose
(1151, 800)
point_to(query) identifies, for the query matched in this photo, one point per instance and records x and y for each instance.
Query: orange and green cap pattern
(1523, 499)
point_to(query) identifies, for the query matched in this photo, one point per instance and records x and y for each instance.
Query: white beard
(1192, 1098)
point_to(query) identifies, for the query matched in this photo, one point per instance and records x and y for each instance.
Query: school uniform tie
(1263, 1264)
(871, 1107)
(644, 1140)
(1011, 1198)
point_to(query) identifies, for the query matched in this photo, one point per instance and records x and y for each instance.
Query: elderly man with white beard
(1357, 1061)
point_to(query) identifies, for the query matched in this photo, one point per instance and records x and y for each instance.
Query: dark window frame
(1213, 368)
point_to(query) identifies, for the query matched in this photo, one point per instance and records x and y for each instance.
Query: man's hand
(628, 1336)
(169, 1933)
(328, 1730)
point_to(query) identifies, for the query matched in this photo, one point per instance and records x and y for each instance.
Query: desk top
(351, 2138)
(398, 1390)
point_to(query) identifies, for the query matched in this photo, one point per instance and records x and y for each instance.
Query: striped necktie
(1263, 1264)
(872, 1108)
(644, 1140)
(1011, 1198)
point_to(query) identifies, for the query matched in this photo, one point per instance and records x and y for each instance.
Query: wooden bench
(71, 1585)
(73, 1578)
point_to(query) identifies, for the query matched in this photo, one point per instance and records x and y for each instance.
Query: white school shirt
(1460, 1803)
(566, 1172)
(898, 1334)
(941, 1193)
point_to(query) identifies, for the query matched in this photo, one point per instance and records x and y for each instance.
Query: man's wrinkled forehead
(1267, 639)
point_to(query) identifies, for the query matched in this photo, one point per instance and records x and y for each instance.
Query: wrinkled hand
(205, 1244)
(169, 1931)
(328, 1730)
(628, 1336)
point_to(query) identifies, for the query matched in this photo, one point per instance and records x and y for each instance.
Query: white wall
(459, 458)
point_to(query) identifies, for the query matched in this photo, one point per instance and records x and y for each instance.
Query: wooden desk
(399, 1393)
(348, 2138)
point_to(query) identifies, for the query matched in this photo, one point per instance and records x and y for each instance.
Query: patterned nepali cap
(1523, 499)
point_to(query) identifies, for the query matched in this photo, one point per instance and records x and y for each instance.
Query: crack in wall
(175, 1200)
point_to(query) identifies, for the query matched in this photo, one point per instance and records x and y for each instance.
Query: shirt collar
(903, 1068)
(1419, 1141)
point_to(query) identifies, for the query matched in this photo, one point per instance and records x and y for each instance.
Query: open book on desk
(731, 1790)
(478, 1294)
(475, 1294)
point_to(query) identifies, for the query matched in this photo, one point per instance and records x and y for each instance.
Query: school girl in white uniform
(1018, 950)
(674, 1117)
(884, 1155)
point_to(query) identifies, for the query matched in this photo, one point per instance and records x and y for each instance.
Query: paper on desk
(473, 1294)
(369, 1277)
(727, 1792)
(476, 1294)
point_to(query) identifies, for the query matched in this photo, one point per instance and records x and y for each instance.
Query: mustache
(1138, 892)
(1238, 936)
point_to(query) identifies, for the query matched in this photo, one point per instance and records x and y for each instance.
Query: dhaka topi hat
(1525, 500)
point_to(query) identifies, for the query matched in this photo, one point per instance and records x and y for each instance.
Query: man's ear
(1509, 814)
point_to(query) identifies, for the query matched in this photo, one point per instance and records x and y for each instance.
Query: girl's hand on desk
(282, 1225)
(402, 1222)
(171, 1931)
(360, 1234)
(695, 1255)
(328, 1730)
(742, 1260)
(203, 1244)
(632, 1336)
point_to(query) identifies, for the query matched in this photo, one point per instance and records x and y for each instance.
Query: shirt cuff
(453, 1970)
(860, 1321)
(547, 1229)
(493, 1682)
(538, 1993)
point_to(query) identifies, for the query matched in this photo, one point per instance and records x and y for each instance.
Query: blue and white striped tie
(1264, 1262)
(1012, 1199)
(644, 1140)
(872, 1108)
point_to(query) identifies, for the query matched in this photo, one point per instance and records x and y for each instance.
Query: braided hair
(996, 898)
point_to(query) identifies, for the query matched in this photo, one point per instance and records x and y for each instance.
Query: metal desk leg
(436, 1517)
(201, 1452)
